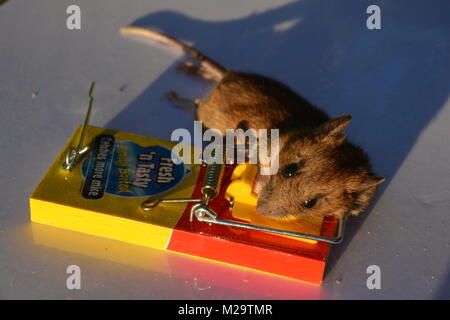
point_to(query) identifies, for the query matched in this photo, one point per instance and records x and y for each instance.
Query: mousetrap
(126, 187)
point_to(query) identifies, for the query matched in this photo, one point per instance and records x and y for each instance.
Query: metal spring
(212, 181)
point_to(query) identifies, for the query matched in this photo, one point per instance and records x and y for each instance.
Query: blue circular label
(124, 168)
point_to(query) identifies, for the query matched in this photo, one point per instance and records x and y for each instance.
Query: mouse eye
(290, 170)
(309, 203)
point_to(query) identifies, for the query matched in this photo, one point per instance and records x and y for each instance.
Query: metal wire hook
(73, 154)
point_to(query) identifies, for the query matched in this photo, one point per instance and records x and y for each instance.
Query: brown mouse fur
(321, 173)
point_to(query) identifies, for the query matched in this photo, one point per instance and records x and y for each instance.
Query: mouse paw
(192, 69)
(180, 102)
(189, 68)
(172, 96)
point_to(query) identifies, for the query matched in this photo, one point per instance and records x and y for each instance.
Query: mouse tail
(213, 67)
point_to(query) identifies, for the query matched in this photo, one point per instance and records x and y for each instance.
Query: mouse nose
(263, 208)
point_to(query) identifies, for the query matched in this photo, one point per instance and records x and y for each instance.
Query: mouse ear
(371, 181)
(332, 131)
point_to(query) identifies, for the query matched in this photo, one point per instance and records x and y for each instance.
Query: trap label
(98, 167)
(124, 168)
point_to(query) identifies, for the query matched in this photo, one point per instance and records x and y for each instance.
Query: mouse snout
(267, 209)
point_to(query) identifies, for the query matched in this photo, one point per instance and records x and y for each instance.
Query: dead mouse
(320, 173)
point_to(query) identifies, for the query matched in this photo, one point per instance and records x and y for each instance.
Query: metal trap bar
(203, 213)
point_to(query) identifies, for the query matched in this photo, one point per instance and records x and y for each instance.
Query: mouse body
(320, 172)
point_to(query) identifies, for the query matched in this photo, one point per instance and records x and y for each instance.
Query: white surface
(395, 82)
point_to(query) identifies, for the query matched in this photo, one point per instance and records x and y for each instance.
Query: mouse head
(319, 174)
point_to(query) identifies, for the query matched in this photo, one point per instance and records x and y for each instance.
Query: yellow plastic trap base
(58, 199)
